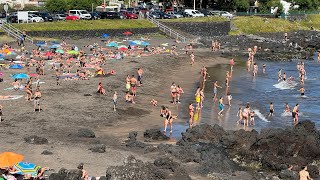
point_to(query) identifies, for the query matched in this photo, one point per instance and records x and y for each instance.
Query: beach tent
(16, 66)
(20, 76)
(27, 168)
(9, 159)
(112, 44)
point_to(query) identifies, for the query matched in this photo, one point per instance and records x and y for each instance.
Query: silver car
(174, 15)
(59, 17)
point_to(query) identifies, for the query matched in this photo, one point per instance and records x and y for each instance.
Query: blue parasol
(104, 36)
(54, 42)
(145, 44)
(20, 76)
(16, 66)
(27, 168)
(112, 44)
(55, 46)
(132, 43)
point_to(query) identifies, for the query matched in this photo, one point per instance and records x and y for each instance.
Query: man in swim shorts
(221, 106)
(294, 111)
(215, 86)
(140, 72)
(36, 101)
(133, 83)
(271, 109)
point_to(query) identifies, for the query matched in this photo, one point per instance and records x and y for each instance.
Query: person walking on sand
(304, 174)
(271, 109)
(215, 90)
(140, 72)
(174, 91)
(115, 97)
(191, 110)
(221, 106)
(36, 101)
(192, 58)
(179, 92)
(133, 84)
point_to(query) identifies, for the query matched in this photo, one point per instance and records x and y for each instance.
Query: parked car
(155, 15)
(13, 18)
(193, 13)
(95, 16)
(111, 15)
(222, 14)
(45, 16)
(82, 14)
(163, 15)
(130, 15)
(174, 14)
(72, 17)
(35, 18)
(59, 17)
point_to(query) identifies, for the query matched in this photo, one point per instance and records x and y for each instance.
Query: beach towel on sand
(11, 97)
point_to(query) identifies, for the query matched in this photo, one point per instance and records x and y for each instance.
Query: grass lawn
(197, 19)
(254, 25)
(84, 25)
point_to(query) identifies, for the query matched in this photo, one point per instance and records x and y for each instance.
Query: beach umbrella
(20, 76)
(1, 74)
(9, 159)
(48, 54)
(145, 44)
(1, 55)
(73, 52)
(104, 36)
(112, 44)
(1, 59)
(33, 75)
(60, 51)
(132, 43)
(40, 44)
(127, 33)
(165, 44)
(55, 42)
(122, 48)
(16, 66)
(27, 168)
(55, 46)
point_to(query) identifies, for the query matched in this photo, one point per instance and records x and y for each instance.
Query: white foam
(284, 114)
(284, 85)
(260, 116)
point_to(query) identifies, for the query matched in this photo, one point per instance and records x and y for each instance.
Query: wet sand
(66, 109)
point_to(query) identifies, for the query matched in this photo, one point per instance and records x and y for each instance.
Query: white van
(193, 13)
(82, 14)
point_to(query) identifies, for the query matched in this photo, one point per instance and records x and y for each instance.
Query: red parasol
(127, 33)
(48, 54)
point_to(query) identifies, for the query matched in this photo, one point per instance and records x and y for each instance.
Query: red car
(72, 18)
(130, 15)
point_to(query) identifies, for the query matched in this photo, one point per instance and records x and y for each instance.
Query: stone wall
(89, 33)
(203, 29)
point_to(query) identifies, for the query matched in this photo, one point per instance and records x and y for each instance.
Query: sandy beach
(66, 109)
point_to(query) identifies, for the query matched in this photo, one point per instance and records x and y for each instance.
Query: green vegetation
(198, 19)
(254, 25)
(84, 25)
(312, 20)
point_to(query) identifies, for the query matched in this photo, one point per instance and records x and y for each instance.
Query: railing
(12, 31)
(167, 30)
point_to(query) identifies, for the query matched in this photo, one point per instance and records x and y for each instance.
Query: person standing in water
(239, 114)
(229, 97)
(215, 90)
(191, 110)
(227, 79)
(255, 69)
(221, 106)
(231, 64)
(192, 58)
(252, 118)
(271, 109)
(279, 74)
(287, 108)
(294, 111)
(284, 77)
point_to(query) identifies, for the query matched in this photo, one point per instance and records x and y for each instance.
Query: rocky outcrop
(134, 169)
(99, 148)
(154, 134)
(65, 174)
(132, 141)
(36, 140)
(86, 133)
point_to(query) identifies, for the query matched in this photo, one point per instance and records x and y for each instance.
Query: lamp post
(194, 4)
(5, 8)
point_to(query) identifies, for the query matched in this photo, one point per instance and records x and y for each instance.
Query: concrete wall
(203, 29)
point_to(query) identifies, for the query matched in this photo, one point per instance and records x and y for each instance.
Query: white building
(23, 3)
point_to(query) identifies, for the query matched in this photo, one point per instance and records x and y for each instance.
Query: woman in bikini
(169, 119)
(29, 92)
(179, 92)
(128, 86)
(101, 90)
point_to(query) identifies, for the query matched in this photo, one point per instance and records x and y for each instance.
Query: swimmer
(264, 67)
(221, 106)
(294, 111)
(287, 108)
(302, 90)
(318, 56)
(271, 109)
(291, 78)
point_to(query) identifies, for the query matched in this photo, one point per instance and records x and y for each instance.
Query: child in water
(239, 114)
(252, 117)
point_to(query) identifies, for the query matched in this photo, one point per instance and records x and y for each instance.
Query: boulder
(132, 141)
(86, 133)
(65, 174)
(36, 140)
(154, 134)
(99, 148)
(313, 171)
(46, 152)
(288, 175)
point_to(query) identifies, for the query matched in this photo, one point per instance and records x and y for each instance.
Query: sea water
(259, 91)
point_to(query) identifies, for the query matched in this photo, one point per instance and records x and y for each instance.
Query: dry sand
(66, 109)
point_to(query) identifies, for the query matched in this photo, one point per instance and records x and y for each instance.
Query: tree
(241, 5)
(56, 5)
(306, 4)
